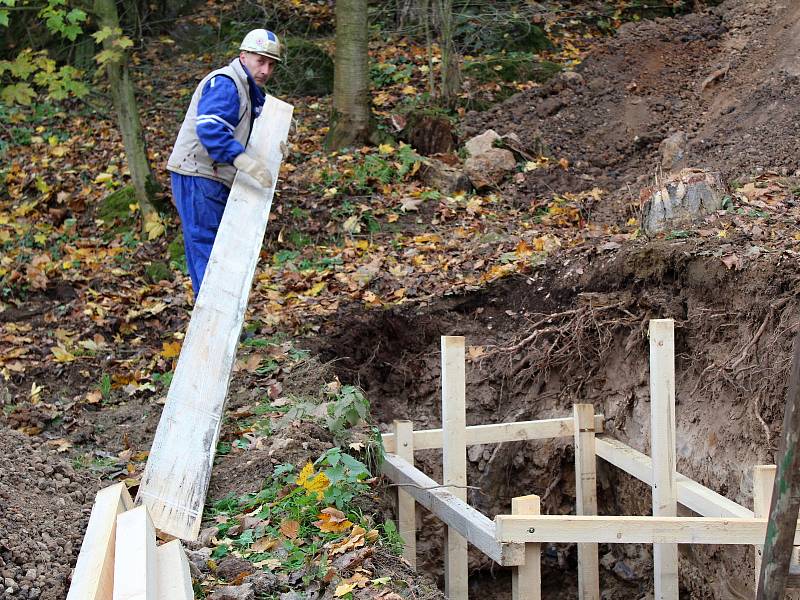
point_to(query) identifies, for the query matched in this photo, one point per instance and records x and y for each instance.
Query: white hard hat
(264, 42)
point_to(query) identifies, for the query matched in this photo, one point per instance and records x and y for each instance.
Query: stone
(490, 168)
(681, 199)
(673, 151)
(231, 567)
(482, 143)
(263, 583)
(198, 559)
(443, 177)
(624, 571)
(474, 453)
(234, 592)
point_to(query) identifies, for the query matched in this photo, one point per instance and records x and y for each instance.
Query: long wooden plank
(586, 498)
(662, 451)
(406, 507)
(691, 494)
(93, 578)
(526, 580)
(135, 575)
(495, 433)
(178, 469)
(631, 530)
(174, 576)
(454, 459)
(476, 527)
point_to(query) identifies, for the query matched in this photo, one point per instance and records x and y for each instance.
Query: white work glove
(255, 168)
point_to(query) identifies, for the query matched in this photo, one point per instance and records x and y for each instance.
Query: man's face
(260, 67)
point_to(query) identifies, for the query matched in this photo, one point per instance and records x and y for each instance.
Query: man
(211, 145)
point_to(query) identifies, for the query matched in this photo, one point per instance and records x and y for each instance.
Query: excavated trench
(575, 331)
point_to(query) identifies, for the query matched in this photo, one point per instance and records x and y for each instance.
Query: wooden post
(526, 580)
(662, 450)
(93, 578)
(406, 507)
(785, 503)
(763, 480)
(454, 456)
(586, 498)
(135, 575)
(178, 470)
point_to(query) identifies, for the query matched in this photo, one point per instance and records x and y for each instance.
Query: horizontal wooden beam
(691, 494)
(476, 527)
(631, 530)
(427, 439)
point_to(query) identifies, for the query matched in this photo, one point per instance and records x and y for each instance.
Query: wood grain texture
(662, 451)
(172, 569)
(586, 498)
(406, 507)
(93, 578)
(135, 575)
(178, 469)
(526, 580)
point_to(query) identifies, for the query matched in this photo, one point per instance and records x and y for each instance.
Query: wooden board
(586, 498)
(427, 439)
(631, 530)
(691, 494)
(135, 556)
(763, 480)
(93, 577)
(526, 580)
(476, 527)
(406, 507)
(178, 469)
(662, 451)
(172, 568)
(454, 459)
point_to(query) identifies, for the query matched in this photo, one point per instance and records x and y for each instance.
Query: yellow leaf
(318, 484)
(315, 289)
(343, 589)
(103, 178)
(305, 473)
(409, 90)
(386, 149)
(59, 151)
(153, 226)
(61, 354)
(170, 350)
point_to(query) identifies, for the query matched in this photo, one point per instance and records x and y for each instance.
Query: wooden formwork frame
(515, 540)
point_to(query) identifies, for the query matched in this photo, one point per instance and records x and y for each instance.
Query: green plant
(391, 537)
(105, 386)
(346, 409)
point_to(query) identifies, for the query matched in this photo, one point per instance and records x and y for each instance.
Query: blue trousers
(200, 204)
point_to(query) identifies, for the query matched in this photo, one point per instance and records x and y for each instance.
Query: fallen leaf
(290, 528)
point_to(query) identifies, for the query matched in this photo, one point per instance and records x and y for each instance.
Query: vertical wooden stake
(586, 496)
(662, 450)
(763, 480)
(526, 580)
(406, 511)
(454, 456)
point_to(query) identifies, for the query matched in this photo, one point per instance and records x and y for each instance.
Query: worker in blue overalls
(211, 145)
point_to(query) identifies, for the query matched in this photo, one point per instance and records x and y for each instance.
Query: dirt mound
(728, 78)
(36, 554)
(575, 331)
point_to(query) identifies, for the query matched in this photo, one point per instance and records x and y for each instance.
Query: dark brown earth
(728, 77)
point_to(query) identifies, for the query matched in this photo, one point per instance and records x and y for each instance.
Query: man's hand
(255, 168)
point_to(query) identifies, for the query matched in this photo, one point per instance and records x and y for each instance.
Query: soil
(733, 339)
(45, 505)
(727, 77)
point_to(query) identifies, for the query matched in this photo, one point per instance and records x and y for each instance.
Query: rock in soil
(490, 168)
(443, 177)
(482, 143)
(234, 592)
(681, 199)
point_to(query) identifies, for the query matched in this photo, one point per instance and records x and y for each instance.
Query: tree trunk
(122, 93)
(451, 70)
(351, 118)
